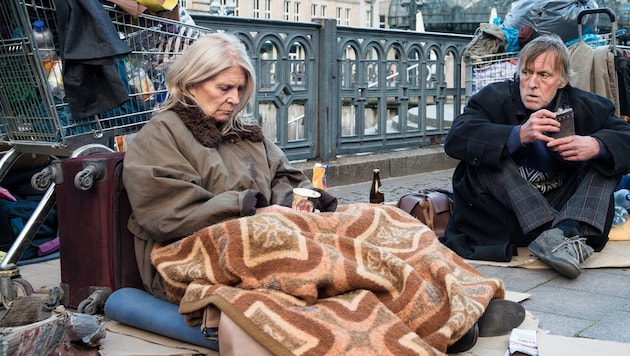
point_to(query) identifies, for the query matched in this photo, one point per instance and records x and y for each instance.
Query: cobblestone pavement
(595, 305)
(393, 188)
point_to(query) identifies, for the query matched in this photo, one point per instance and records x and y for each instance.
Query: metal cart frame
(35, 116)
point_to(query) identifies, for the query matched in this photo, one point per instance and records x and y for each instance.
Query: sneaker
(563, 254)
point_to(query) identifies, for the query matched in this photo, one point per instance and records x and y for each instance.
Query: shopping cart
(486, 69)
(35, 116)
(483, 70)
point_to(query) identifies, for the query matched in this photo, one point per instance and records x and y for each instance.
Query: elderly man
(519, 182)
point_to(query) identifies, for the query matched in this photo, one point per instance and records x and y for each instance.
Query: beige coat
(178, 186)
(595, 71)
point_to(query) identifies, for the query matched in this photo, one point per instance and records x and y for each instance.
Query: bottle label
(142, 85)
(48, 65)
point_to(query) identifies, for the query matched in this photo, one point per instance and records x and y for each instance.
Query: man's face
(540, 81)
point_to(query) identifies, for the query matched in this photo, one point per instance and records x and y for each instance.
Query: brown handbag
(433, 207)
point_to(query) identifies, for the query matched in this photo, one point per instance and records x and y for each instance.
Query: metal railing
(326, 90)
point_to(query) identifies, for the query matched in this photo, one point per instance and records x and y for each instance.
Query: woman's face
(219, 95)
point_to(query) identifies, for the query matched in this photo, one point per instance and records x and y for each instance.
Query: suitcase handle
(601, 10)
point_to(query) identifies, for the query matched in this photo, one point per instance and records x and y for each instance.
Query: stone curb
(358, 168)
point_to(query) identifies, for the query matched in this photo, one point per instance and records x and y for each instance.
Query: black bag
(433, 207)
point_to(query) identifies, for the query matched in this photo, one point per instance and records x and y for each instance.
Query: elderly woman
(196, 163)
(209, 195)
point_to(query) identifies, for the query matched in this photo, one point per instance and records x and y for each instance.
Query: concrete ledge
(358, 168)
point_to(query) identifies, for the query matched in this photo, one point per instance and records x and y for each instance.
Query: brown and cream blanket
(365, 280)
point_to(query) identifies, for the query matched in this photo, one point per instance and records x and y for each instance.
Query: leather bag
(433, 207)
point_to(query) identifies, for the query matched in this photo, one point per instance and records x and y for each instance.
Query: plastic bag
(559, 17)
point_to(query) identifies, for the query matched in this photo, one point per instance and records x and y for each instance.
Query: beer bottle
(376, 193)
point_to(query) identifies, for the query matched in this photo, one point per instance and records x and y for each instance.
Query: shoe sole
(500, 317)
(466, 343)
(563, 267)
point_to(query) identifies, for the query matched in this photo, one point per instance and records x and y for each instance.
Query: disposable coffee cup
(305, 200)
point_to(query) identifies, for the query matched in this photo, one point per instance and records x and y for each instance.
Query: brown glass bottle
(376, 193)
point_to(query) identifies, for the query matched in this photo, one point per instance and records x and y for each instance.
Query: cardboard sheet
(575, 346)
(615, 254)
(550, 345)
(620, 233)
(122, 339)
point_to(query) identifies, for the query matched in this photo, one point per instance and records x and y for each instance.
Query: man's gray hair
(544, 44)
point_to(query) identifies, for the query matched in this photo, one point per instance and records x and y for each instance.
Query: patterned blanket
(365, 280)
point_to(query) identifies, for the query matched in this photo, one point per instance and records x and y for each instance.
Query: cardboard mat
(126, 340)
(620, 233)
(549, 345)
(616, 254)
(122, 339)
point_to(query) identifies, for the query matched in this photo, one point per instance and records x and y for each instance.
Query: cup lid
(307, 192)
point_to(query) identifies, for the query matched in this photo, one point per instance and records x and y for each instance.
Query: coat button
(474, 161)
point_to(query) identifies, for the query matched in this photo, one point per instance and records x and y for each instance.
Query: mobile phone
(567, 127)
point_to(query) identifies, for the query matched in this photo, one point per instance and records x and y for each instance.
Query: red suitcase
(96, 249)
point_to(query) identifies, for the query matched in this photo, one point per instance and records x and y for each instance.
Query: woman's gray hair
(204, 59)
(544, 44)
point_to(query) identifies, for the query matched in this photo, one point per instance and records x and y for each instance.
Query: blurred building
(461, 16)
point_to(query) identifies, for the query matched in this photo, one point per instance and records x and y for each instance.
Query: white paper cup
(305, 200)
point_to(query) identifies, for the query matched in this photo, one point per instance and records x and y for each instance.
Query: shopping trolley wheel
(43, 179)
(21, 287)
(95, 302)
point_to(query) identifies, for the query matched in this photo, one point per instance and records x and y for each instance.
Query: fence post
(328, 105)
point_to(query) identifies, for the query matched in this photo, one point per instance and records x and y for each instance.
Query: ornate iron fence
(326, 90)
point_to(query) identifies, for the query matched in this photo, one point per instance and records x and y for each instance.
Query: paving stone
(597, 281)
(559, 324)
(518, 279)
(614, 327)
(572, 303)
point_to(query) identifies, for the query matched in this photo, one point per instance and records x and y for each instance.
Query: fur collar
(206, 131)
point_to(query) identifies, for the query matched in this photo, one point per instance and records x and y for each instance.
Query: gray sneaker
(564, 254)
